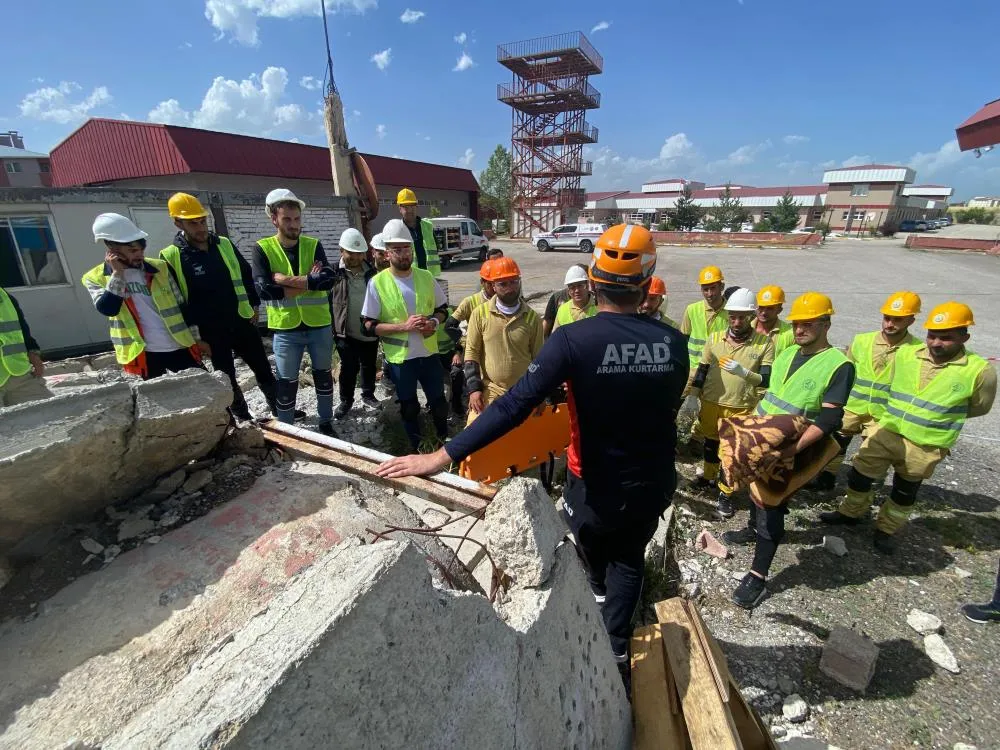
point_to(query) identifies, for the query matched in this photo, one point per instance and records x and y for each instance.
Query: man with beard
(504, 336)
(934, 389)
(733, 366)
(217, 285)
(580, 302)
(293, 278)
(403, 306)
(149, 331)
(811, 379)
(421, 231)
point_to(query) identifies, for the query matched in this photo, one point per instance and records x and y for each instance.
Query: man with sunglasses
(149, 330)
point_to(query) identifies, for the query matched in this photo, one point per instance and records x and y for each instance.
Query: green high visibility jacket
(172, 254)
(802, 392)
(311, 307)
(393, 310)
(564, 315)
(430, 247)
(13, 349)
(871, 387)
(695, 312)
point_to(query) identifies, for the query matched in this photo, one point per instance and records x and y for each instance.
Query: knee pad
(439, 409)
(409, 410)
(711, 453)
(323, 381)
(858, 481)
(904, 491)
(284, 393)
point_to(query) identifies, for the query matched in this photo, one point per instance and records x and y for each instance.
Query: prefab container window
(13, 166)
(859, 191)
(29, 255)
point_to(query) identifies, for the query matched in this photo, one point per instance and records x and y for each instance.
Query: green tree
(764, 225)
(730, 212)
(785, 216)
(495, 182)
(687, 213)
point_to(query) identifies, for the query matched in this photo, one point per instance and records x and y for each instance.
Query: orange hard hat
(949, 315)
(484, 270)
(901, 304)
(503, 268)
(625, 255)
(657, 287)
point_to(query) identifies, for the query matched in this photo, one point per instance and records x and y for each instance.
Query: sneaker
(836, 517)
(746, 535)
(883, 543)
(750, 591)
(981, 613)
(825, 481)
(370, 400)
(724, 508)
(327, 429)
(342, 408)
(299, 415)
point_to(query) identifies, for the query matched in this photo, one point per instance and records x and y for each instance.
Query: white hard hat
(352, 241)
(116, 228)
(280, 195)
(574, 275)
(378, 242)
(742, 300)
(396, 231)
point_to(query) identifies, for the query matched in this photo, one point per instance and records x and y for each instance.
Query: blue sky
(761, 92)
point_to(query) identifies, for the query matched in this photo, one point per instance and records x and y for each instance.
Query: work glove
(733, 367)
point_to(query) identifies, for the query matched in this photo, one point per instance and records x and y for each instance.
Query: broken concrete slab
(940, 654)
(849, 658)
(523, 530)
(923, 622)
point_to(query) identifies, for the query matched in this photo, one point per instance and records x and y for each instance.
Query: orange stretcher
(539, 439)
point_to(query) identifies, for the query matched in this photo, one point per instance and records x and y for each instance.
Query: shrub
(646, 224)
(977, 216)
(713, 225)
(663, 226)
(764, 225)
(889, 228)
(822, 227)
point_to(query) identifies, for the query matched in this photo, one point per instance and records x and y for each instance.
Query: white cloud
(355, 113)
(946, 156)
(856, 160)
(380, 131)
(463, 63)
(383, 58)
(427, 137)
(238, 18)
(124, 116)
(792, 166)
(829, 164)
(744, 154)
(185, 45)
(678, 156)
(411, 16)
(54, 103)
(677, 146)
(461, 37)
(794, 140)
(310, 83)
(601, 27)
(465, 160)
(253, 106)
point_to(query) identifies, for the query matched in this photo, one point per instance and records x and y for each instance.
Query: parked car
(913, 225)
(946, 221)
(570, 236)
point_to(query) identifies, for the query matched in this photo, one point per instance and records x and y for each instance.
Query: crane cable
(329, 84)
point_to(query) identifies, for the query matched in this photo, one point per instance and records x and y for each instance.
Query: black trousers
(239, 338)
(614, 558)
(160, 363)
(769, 524)
(356, 357)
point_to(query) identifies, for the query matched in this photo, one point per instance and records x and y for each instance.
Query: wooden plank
(710, 725)
(718, 658)
(753, 734)
(443, 495)
(658, 722)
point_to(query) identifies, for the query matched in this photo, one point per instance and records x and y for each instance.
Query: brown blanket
(750, 449)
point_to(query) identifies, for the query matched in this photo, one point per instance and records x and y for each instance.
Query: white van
(459, 238)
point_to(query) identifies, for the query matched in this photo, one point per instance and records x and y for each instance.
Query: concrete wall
(29, 176)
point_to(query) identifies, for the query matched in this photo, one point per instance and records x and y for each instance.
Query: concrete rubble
(940, 654)
(923, 622)
(276, 608)
(849, 658)
(107, 442)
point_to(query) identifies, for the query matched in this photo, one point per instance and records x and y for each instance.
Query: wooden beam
(659, 723)
(449, 497)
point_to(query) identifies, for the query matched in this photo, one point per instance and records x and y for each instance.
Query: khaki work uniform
(882, 355)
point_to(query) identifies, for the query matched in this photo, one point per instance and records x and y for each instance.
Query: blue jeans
(428, 373)
(288, 348)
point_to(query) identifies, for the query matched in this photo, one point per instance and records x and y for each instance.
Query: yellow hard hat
(810, 306)
(901, 304)
(710, 275)
(406, 197)
(949, 315)
(770, 295)
(184, 206)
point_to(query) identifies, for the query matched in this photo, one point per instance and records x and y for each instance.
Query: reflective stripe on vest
(172, 254)
(13, 351)
(446, 345)
(393, 310)
(124, 332)
(800, 393)
(564, 315)
(935, 414)
(698, 316)
(311, 308)
(430, 247)
(870, 392)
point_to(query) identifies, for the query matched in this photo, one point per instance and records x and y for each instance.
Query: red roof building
(980, 130)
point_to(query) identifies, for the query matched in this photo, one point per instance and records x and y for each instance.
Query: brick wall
(736, 238)
(247, 224)
(992, 247)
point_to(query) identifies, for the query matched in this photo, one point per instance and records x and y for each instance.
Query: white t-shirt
(158, 338)
(373, 309)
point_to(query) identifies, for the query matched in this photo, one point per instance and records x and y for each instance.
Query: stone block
(849, 658)
(523, 530)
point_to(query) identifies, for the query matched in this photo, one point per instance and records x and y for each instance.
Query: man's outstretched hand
(416, 464)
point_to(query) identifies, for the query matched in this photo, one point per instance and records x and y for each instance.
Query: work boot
(724, 508)
(981, 613)
(746, 535)
(750, 591)
(241, 412)
(883, 543)
(836, 517)
(327, 429)
(342, 408)
(369, 399)
(824, 482)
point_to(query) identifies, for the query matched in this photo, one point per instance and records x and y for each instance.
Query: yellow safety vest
(564, 315)
(393, 310)
(871, 388)
(695, 312)
(172, 254)
(430, 247)
(311, 308)
(935, 414)
(125, 335)
(13, 351)
(802, 392)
